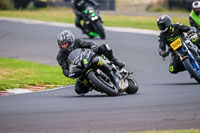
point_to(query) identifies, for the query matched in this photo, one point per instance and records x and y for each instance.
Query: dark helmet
(78, 2)
(164, 22)
(66, 36)
(196, 7)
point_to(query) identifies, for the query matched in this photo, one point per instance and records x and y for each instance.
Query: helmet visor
(64, 45)
(162, 27)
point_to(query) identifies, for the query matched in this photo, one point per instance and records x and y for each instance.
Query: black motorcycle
(100, 74)
(93, 23)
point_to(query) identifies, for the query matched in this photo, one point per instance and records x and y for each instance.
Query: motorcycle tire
(100, 29)
(133, 86)
(191, 70)
(96, 81)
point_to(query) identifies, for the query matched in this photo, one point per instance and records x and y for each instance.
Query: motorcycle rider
(67, 43)
(169, 33)
(194, 19)
(78, 7)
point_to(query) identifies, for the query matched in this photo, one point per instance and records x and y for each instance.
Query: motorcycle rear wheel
(191, 70)
(96, 81)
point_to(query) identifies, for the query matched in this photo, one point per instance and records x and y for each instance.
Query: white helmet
(196, 7)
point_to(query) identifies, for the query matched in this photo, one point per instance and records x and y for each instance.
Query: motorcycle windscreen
(74, 57)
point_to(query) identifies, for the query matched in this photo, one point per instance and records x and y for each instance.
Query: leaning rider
(67, 43)
(169, 33)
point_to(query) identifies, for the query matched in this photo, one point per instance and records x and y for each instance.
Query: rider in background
(169, 33)
(78, 7)
(194, 19)
(67, 43)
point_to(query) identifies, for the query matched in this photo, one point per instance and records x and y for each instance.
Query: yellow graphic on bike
(176, 44)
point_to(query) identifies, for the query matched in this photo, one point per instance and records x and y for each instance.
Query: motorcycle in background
(93, 23)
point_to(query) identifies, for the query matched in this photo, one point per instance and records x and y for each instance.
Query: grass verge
(65, 15)
(171, 131)
(25, 74)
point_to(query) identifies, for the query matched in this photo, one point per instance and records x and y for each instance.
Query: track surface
(164, 101)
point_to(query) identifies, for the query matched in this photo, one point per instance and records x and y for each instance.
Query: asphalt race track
(164, 101)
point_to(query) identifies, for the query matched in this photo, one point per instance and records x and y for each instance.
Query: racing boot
(118, 63)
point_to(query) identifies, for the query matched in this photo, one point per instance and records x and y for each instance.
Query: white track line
(117, 29)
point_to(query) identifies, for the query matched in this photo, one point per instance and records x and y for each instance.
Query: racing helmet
(164, 22)
(196, 7)
(64, 37)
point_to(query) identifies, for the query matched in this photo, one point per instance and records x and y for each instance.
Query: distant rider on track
(78, 7)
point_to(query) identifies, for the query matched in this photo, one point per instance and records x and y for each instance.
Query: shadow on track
(94, 96)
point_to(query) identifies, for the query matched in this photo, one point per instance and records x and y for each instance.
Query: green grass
(24, 74)
(171, 131)
(65, 15)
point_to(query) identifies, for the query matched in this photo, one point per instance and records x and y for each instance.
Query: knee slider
(171, 70)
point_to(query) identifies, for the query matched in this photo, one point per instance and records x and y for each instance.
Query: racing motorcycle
(188, 53)
(93, 23)
(100, 74)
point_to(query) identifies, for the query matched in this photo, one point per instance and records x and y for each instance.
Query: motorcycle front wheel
(191, 70)
(132, 86)
(100, 29)
(98, 82)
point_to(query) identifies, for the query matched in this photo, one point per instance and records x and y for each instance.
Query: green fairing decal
(85, 61)
(93, 14)
(85, 11)
(88, 71)
(93, 34)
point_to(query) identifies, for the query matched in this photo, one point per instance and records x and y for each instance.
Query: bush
(40, 4)
(21, 4)
(6, 5)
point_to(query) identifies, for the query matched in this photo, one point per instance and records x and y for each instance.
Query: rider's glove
(163, 53)
(75, 72)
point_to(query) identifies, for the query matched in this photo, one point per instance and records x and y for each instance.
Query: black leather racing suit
(78, 7)
(62, 57)
(165, 38)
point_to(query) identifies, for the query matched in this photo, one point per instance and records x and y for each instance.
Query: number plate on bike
(176, 44)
